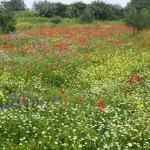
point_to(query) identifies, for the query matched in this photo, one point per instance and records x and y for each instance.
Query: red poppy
(100, 101)
(67, 97)
(127, 90)
(8, 92)
(138, 78)
(75, 55)
(81, 101)
(14, 69)
(64, 104)
(131, 80)
(70, 107)
(33, 102)
(62, 91)
(60, 66)
(49, 66)
(103, 106)
(24, 99)
(42, 77)
(28, 71)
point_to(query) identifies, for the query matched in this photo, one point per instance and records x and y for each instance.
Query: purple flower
(6, 106)
(17, 100)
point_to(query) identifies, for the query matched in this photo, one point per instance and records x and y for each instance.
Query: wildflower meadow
(80, 87)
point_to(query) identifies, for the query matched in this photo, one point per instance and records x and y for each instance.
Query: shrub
(87, 16)
(26, 13)
(7, 21)
(56, 20)
(24, 26)
(138, 20)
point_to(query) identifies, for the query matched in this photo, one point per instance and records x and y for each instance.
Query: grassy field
(79, 87)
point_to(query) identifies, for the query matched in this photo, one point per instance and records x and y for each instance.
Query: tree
(138, 20)
(72, 12)
(7, 21)
(46, 9)
(117, 12)
(14, 5)
(103, 11)
(87, 16)
(80, 6)
(61, 9)
(139, 4)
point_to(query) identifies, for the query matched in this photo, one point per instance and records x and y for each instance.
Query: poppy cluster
(101, 104)
(137, 78)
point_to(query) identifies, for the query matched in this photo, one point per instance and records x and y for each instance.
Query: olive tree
(138, 20)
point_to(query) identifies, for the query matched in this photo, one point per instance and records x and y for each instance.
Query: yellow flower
(2, 96)
(65, 144)
(140, 134)
(141, 106)
(43, 132)
(88, 136)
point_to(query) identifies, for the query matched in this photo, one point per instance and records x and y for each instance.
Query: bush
(7, 21)
(20, 14)
(24, 26)
(87, 16)
(56, 20)
(138, 20)
(33, 19)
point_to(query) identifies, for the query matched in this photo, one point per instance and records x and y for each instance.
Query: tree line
(99, 10)
(87, 12)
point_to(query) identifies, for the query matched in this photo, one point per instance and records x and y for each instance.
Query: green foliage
(35, 20)
(100, 10)
(14, 5)
(103, 11)
(80, 6)
(7, 21)
(116, 12)
(137, 19)
(87, 16)
(72, 12)
(26, 13)
(61, 9)
(24, 26)
(56, 19)
(139, 4)
(46, 8)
